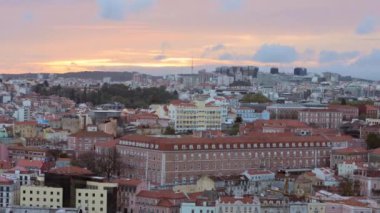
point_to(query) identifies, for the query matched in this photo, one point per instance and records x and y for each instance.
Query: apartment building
(369, 183)
(97, 197)
(348, 154)
(16, 152)
(322, 118)
(164, 161)
(349, 112)
(84, 141)
(126, 193)
(9, 192)
(195, 116)
(25, 129)
(165, 201)
(41, 196)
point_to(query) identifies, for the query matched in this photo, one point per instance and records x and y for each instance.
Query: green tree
(105, 164)
(346, 187)
(254, 98)
(169, 131)
(373, 141)
(343, 101)
(131, 98)
(46, 83)
(238, 119)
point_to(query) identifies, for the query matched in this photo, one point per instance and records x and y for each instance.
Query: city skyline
(160, 36)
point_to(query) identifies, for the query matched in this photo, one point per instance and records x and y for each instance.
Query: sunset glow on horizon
(156, 35)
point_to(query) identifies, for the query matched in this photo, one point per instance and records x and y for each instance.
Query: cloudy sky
(160, 36)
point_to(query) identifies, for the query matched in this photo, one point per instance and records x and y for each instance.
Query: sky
(168, 36)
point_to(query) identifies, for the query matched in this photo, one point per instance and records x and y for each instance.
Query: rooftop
(161, 194)
(260, 140)
(5, 181)
(71, 170)
(30, 163)
(351, 150)
(127, 182)
(90, 134)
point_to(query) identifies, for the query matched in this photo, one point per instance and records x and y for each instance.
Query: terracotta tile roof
(258, 172)
(5, 165)
(182, 103)
(161, 194)
(165, 203)
(375, 151)
(231, 200)
(18, 168)
(268, 140)
(127, 182)
(29, 123)
(351, 202)
(335, 106)
(30, 163)
(71, 170)
(337, 138)
(5, 181)
(351, 150)
(371, 108)
(87, 134)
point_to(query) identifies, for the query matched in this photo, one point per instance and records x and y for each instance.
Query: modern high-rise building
(300, 71)
(274, 70)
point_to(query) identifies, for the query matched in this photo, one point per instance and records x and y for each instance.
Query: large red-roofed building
(166, 161)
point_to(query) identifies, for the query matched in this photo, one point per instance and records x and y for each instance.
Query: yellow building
(41, 196)
(94, 198)
(203, 184)
(195, 116)
(26, 129)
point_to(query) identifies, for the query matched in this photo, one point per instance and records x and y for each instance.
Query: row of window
(43, 192)
(243, 146)
(38, 199)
